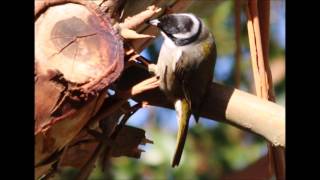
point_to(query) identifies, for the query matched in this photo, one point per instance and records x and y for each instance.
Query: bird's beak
(154, 22)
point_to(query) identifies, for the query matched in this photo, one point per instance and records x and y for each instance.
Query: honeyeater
(185, 67)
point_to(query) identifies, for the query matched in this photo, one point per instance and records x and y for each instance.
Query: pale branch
(131, 34)
(127, 28)
(235, 107)
(138, 19)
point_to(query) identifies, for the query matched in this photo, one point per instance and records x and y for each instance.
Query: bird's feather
(184, 112)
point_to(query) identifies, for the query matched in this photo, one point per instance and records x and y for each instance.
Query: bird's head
(181, 28)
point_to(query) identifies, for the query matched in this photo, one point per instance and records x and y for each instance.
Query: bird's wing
(182, 73)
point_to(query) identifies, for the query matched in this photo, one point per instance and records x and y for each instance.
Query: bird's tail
(184, 112)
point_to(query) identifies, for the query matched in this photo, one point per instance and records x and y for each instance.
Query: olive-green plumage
(185, 67)
(184, 113)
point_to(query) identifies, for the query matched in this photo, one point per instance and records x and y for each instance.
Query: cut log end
(77, 56)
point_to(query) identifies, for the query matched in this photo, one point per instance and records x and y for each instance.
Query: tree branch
(235, 107)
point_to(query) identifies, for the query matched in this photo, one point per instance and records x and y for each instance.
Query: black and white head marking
(182, 28)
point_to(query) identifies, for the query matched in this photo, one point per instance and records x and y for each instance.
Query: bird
(185, 68)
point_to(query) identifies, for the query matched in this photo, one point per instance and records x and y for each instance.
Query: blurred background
(212, 149)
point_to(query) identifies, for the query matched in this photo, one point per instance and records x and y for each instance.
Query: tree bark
(258, 29)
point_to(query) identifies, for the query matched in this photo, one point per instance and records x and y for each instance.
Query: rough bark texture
(77, 56)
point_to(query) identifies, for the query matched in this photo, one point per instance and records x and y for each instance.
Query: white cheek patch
(183, 35)
(193, 31)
